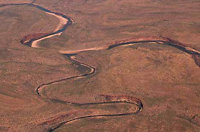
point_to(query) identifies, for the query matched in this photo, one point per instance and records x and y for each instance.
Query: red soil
(32, 36)
(196, 59)
(56, 119)
(124, 98)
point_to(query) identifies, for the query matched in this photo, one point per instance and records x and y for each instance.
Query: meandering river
(65, 21)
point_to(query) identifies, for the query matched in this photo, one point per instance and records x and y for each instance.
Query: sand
(62, 21)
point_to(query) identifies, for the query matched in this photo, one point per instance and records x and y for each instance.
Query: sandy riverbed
(62, 21)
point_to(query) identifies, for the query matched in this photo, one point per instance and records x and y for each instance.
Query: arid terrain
(100, 65)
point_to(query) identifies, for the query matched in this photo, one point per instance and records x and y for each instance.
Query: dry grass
(97, 23)
(161, 76)
(14, 1)
(166, 79)
(23, 69)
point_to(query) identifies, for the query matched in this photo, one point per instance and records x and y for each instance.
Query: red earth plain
(100, 65)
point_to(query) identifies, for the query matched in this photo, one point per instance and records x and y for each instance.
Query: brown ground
(14, 1)
(100, 22)
(164, 78)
